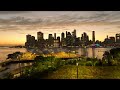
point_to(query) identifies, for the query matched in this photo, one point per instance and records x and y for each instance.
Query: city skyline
(14, 25)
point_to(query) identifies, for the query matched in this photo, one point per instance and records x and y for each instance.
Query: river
(4, 51)
(93, 52)
(96, 52)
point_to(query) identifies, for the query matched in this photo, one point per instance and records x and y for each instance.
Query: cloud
(22, 22)
(73, 18)
(13, 12)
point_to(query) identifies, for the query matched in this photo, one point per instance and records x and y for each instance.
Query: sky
(15, 25)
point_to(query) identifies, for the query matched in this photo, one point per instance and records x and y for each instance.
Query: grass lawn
(85, 72)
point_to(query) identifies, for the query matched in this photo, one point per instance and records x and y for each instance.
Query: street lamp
(77, 64)
(77, 69)
(19, 64)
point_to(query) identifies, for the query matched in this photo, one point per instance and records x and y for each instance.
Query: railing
(18, 72)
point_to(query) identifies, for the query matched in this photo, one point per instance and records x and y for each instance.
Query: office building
(93, 36)
(117, 38)
(54, 35)
(39, 36)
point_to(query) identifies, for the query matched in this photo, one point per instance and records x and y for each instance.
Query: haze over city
(15, 25)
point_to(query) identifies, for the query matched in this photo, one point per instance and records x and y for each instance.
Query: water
(93, 52)
(4, 51)
(89, 52)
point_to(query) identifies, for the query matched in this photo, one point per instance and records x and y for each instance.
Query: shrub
(88, 59)
(113, 62)
(82, 63)
(74, 62)
(104, 62)
(98, 63)
(8, 76)
(62, 63)
(89, 63)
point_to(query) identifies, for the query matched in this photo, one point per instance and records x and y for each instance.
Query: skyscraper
(58, 38)
(62, 39)
(74, 33)
(62, 35)
(28, 38)
(74, 37)
(93, 36)
(54, 35)
(117, 38)
(66, 34)
(30, 41)
(39, 36)
(50, 40)
(33, 39)
(69, 39)
(50, 36)
(85, 39)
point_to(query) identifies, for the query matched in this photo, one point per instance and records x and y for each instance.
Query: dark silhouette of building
(50, 40)
(69, 39)
(85, 39)
(39, 36)
(74, 33)
(74, 37)
(33, 39)
(30, 41)
(66, 34)
(62, 35)
(117, 38)
(58, 38)
(93, 36)
(28, 38)
(41, 42)
(63, 43)
(77, 41)
(54, 35)
(109, 41)
(98, 42)
(56, 43)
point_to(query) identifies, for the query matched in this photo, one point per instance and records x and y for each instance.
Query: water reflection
(92, 52)
(4, 51)
(84, 52)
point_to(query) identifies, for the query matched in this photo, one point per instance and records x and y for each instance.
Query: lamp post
(77, 69)
(77, 64)
(19, 64)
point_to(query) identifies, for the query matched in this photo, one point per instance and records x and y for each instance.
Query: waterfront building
(74, 33)
(69, 39)
(93, 36)
(40, 36)
(63, 43)
(85, 39)
(62, 35)
(54, 35)
(50, 40)
(56, 43)
(109, 41)
(30, 41)
(118, 38)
